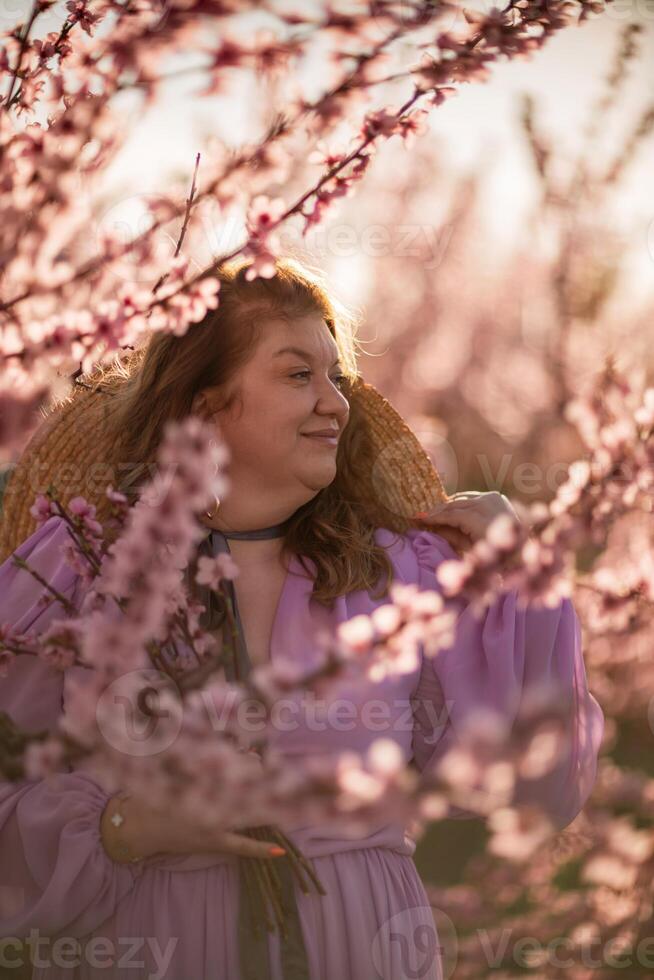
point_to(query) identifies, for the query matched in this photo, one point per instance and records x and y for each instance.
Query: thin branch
(23, 46)
(21, 563)
(187, 215)
(239, 162)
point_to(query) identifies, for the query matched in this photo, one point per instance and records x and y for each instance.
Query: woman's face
(291, 386)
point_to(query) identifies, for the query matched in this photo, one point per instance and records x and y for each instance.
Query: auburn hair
(158, 382)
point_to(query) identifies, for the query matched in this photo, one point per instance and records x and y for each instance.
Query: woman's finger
(467, 503)
(470, 522)
(454, 505)
(459, 541)
(245, 846)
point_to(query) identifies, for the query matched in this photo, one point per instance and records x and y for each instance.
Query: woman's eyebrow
(299, 352)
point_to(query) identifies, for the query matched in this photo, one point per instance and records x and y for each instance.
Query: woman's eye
(340, 378)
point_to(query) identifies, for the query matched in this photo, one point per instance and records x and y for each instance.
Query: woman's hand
(468, 515)
(145, 831)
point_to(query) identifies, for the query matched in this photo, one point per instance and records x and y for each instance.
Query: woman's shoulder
(23, 594)
(415, 554)
(43, 545)
(417, 540)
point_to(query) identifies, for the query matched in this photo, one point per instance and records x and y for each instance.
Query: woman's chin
(320, 475)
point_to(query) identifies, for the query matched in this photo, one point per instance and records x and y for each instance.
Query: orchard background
(475, 181)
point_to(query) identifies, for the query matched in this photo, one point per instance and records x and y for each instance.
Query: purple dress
(176, 917)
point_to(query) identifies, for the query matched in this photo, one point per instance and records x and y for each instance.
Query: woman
(274, 369)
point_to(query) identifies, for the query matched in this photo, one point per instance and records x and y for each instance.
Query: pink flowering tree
(519, 385)
(62, 313)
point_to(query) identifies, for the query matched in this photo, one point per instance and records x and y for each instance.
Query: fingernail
(276, 851)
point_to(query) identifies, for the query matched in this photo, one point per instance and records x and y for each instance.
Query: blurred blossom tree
(512, 382)
(485, 357)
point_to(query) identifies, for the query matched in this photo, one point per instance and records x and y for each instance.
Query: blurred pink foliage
(511, 384)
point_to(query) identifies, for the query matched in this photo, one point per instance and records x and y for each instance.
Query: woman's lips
(327, 440)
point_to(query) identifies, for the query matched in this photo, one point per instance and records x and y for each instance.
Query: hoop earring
(212, 513)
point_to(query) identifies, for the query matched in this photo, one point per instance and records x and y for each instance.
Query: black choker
(274, 531)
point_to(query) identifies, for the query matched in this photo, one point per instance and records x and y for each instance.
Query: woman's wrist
(117, 828)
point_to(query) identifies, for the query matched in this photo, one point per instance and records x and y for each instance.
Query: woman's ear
(199, 405)
(206, 403)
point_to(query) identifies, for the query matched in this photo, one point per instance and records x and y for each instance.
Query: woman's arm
(497, 661)
(54, 871)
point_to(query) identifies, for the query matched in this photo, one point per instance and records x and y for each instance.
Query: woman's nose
(331, 401)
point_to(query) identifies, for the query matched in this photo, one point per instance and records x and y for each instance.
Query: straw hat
(75, 451)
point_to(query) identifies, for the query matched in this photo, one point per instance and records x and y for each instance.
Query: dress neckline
(294, 569)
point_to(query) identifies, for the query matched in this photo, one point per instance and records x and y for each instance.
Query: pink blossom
(211, 571)
(452, 575)
(386, 619)
(230, 53)
(357, 632)
(380, 123)
(413, 125)
(43, 759)
(79, 13)
(326, 154)
(42, 509)
(80, 507)
(263, 260)
(57, 646)
(263, 214)
(385, 757)
(115, 496)
(502, 533)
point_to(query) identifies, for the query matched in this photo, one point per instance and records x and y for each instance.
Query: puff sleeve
(492, 663)
(54, 872)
